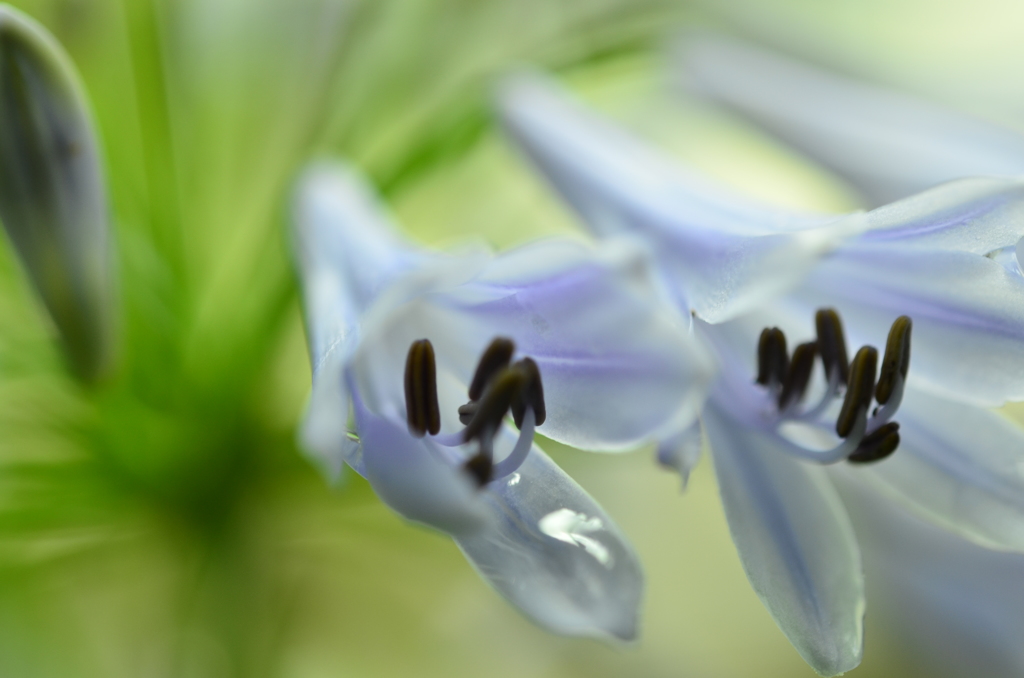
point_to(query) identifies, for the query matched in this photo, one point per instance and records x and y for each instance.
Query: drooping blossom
(430, 352)
(775, 417)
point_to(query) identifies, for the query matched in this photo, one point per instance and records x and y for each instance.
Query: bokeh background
(165, 525)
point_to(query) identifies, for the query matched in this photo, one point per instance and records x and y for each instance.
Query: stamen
(422, 411)
(468, 411)
(831, 391)
(496, 388)
(832, 344)
(494, 405)
(877, 445)
(863, 439)
(496, 357)
(481, 467)
(532, 394)
(798, 376)
(517, 456)
(896, 362)
(860, 389)
(772, 357)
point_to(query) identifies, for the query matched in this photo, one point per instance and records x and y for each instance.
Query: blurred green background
(165, 525)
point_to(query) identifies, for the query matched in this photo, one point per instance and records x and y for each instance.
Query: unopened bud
(52, 196)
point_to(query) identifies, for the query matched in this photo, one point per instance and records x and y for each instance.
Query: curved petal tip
(556, 555)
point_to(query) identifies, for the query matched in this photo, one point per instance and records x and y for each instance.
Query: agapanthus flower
(940, 263)
(431, 352)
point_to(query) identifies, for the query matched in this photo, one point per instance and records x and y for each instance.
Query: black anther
(496, 357)
(481, 467)
(799, 374)
(832, 344)
(531, 396)
(896, 360)
(495, 403)
(877, 445)
(772, 358)
(468, 411)
(421, 407)
(859, 391)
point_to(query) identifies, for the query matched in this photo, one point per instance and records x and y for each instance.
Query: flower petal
(968, 314)
(968, 215)
(324, 433)
(415, 477)
(795, 541)
(959, 466)
(619, 368)
(682, 451)
(342, 234)
(719, 254)
(888, 144)
(953, 608)
(351, 260)
(554, 553)
(53, 200)
(345, 250)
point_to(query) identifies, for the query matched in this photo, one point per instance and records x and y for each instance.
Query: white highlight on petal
(572, 528)
(556, 555)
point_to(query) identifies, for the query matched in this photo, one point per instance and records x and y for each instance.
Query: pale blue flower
(616, 369)
(962, 282)
(924, 257)
(53, 200)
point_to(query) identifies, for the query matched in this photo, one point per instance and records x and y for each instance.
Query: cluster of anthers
(868, 434)
(498, 386)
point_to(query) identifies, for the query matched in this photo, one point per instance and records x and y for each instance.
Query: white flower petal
(888, 144)
(682, 451)
(554, 553)
(53, 200)
(968, 215)
(417, 478)
(954, 609)
(795, 541)
(968, 313)
(346, 250)
(618, 367)
(959, 466)
(342, 234)
(719, 254)
(323, 434)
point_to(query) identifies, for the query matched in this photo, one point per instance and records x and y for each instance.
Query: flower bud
(52, 196)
